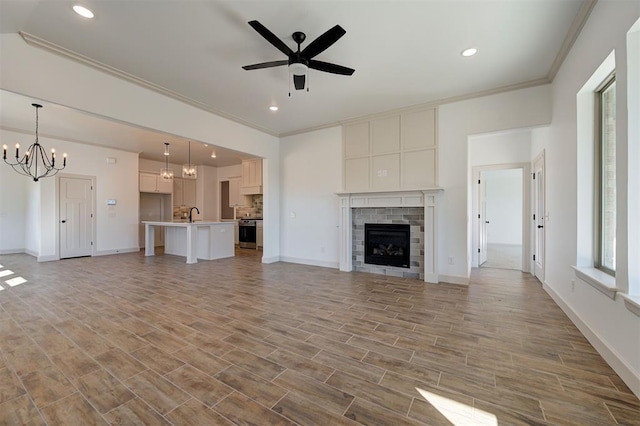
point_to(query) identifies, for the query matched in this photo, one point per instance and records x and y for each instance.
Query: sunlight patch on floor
(457, 413)
(6, 273)
(16, 281)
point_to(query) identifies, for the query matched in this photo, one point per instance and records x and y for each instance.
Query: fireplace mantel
(425, 198)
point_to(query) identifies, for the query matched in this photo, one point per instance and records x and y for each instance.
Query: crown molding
(443, 101)
(36, 41)
(572, 35)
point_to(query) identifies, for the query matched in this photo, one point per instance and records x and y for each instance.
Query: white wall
(456, 122)
(14, 197)
(68, 82)
(500, 148)
(310, 176)
(610, 327)
(116, 226)
(504, 206)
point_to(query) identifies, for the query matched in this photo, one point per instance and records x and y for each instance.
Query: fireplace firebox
(387, 244)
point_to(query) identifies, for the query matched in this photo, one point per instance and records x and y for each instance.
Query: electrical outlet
(321, 249)
(452, 260)
(573, 286)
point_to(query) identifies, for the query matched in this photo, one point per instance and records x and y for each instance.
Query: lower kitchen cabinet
(259, 237)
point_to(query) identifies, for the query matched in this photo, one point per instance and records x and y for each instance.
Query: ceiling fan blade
(271, 37)
(332, 68)
(298, 81)
(320, 44)
(266, 65)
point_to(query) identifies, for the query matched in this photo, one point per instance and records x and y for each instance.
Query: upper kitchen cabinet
(151, 182)
(236, 199)
(184, 192)
(251, 177)
(392, 152)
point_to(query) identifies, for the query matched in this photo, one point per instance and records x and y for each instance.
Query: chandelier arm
(35, 158)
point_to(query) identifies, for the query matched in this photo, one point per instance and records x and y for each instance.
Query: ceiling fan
(299, 62)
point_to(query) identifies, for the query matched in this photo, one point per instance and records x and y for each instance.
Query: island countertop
(195, 240)
(182, 223)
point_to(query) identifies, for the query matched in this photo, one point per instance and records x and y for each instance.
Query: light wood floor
(126, 339)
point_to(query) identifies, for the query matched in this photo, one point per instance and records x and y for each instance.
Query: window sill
(604, 283)
(632, 303)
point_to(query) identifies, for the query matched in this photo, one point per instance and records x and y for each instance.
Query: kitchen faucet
(191, 211)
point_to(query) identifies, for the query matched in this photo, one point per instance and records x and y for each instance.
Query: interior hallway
(153, 340)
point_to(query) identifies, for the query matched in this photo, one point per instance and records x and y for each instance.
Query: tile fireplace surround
(425, 199)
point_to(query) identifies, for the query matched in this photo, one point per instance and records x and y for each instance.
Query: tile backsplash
(253, 210)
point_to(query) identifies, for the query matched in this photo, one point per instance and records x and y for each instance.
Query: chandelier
(189, 170)
(35, 162)
(166, 173)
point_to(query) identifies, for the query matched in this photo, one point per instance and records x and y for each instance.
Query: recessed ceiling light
(83, 11)
(213, 154)
(469, 52)
(273, 108)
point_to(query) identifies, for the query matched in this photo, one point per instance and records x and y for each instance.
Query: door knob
(64, 221)
(486, 221)
(540, 226)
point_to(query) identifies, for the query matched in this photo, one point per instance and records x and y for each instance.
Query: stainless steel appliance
(247, 233)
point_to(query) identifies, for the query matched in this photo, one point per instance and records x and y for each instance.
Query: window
(605, 209)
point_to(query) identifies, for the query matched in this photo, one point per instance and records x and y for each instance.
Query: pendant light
(35, 162)
(189, 171)
(166, 173)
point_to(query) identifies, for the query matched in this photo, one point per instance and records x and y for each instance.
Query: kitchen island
(195, 240)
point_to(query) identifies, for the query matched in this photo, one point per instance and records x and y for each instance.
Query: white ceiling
(405, 53)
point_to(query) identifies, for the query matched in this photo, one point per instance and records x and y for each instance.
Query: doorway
(76, 206)
(501, 206)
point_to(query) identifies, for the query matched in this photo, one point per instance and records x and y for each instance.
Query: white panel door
(76, 217)
(482, 219)
(538, 218)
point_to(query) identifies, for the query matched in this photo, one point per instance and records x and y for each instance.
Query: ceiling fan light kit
(300, 62)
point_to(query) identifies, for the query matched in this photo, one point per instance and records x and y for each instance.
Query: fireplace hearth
(387, 244)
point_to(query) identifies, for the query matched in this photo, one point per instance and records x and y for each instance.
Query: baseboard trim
(116, 251)
(311, 262)
(453, 279)
(13, 251)
(48, 258)
(271, 259)
(610, 355)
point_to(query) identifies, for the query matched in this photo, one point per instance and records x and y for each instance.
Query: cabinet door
(148, 182)
(188, 192)
(164, 186)
(235, 199)
(248, 170)
(259, 237)
(177, 191)
(236, 233)
(251, 173)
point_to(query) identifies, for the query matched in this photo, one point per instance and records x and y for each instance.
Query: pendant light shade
(166, 173)
(189, 171)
